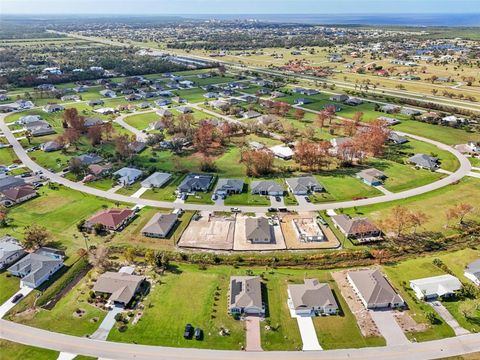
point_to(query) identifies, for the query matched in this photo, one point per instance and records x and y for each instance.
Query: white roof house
(435, 286)
(127, 176)
(156, 180)
(472, 272)
(282, 152)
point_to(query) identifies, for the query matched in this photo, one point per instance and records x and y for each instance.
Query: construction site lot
(242, 244)
(293, 241)
(209, 231)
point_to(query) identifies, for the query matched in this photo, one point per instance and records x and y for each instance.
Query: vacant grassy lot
(341, 185)
(444, 134)
(187, 296)
(59, 211)
(434, 204)
(141, 121)
(14, 351)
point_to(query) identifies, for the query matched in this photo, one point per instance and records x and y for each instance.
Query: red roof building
(112, 219)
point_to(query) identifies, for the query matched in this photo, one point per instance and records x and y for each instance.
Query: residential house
(303, 185)
(50, 108)
(388, 120)
(353, 101)
(160, 225)
(19, 194)
(137, 146)
(108, 93)
(267, 187)
(372, 177)
(127, 176)
(156, 180)
(361, 229)
(250, 114)
(229, 186)
(396, 138)
(164, 113)
(389, 108)
(283, 152)
(410, 112)
(219, 104)
(195, 182)
(37, 267)
(95, 102)
(339, 98)
(245, 296)
(10, 251)
(39, 128)
(51, 146)
(9, 182)
(121, 286)
(258, 230)
(100, 170)
(311, 298)
(373, 289)
(89, 122)
(424, 162)
(472, 272)
(436, 286)
(143, 105)
(28, 119)
(162, 102)
(89, 159)
(303, 101)
(184, 110)
(112, 219)
(254, 145)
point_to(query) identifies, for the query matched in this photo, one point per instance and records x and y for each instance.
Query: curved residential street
(103, 349)
(463, 170)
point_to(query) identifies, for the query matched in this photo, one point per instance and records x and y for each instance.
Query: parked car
(307, 199)
(322, 221)
(282, 209)
(277, 198)
(235, 210)
(25, 175)
(198, 334)
(272, 209)
(17, 298)
(214, 197)
(187, 334)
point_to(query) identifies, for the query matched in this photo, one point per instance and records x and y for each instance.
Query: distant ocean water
(451, 20)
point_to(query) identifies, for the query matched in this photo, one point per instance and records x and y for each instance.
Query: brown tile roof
(111, 218)
(19, 192)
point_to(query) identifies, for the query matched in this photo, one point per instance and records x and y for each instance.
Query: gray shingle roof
(311, 294)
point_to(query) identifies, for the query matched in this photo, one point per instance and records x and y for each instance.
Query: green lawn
(475, 161)
(141, 121)
(444, 134)
(59, 211)
(9, 285)
(102, 184)
(7, 156)
(187, 296)
(341, 186)
(14, 351)
(246, 198)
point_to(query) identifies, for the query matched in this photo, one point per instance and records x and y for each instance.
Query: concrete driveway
(276, 203)
(7, 305)
(448, 318)
(301, 200)
(388, 327)
(252, 326)
(106, 325)
(308, 333)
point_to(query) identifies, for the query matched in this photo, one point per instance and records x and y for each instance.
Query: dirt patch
(407, 323)
(291, 237)
(209, 232)
(79, 313)
(364, 320)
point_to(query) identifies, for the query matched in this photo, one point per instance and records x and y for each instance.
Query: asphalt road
(462, 171)
(103, 349)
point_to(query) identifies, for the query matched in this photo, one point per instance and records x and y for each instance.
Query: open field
(14, 351)
(434, 204)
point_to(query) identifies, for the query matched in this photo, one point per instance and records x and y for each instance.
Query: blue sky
(166, 7)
